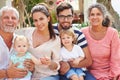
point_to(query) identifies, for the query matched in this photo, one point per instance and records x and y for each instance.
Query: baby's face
(21, 46)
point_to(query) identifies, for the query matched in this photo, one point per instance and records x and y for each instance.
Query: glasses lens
(63, 17)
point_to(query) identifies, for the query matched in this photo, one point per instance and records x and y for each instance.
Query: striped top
(81, 40)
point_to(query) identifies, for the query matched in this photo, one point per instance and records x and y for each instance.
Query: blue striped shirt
(81, 40)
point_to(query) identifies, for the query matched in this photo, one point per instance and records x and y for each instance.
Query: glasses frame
(63, 17)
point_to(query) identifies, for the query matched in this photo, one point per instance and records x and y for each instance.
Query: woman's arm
(114, 55)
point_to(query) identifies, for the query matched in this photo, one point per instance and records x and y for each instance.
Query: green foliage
(30, 3)
(53, 15)
(79, 26)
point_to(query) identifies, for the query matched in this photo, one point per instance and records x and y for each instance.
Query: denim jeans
(88, 76)
(54, 77)
(74, 71)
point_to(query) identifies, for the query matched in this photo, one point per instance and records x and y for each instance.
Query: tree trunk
(115, 16)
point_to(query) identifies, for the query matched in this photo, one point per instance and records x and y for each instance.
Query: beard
(8, 29)
(65, 27)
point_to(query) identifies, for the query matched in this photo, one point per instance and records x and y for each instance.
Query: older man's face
(8, 21)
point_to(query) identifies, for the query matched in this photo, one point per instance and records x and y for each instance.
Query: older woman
(104, 44)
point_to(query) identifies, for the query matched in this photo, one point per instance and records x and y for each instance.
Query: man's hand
(53, 65)
(14, 72)
(28, 63)
(64, 67)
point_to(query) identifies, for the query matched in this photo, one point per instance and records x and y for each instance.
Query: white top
(51, 49)
(75, 53)
(5, 53)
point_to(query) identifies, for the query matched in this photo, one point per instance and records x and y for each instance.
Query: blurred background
(80, 7)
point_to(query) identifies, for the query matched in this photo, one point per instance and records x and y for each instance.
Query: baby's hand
(76, 61)
(71, 60)
(45, 60)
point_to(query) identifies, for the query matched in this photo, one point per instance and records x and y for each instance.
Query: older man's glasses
(62, 17)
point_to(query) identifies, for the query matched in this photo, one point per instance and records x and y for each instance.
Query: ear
(18, 22)
(49, 18)
(57, 17)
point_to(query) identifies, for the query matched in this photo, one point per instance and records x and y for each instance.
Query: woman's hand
(28, 63)
(45, 61)
(53, 65)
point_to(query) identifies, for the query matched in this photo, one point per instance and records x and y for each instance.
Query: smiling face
(96, 17)
(67, 40)
(65, 21)
(8, 21)
(40, 21)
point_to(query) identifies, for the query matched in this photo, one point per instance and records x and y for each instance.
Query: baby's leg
(81, 78)
(74, 77)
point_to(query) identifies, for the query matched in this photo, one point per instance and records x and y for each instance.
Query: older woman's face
(96, 17)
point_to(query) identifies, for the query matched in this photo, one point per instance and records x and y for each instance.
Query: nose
(10, 19)
(95, 16)
(65, 19)
(38, 22)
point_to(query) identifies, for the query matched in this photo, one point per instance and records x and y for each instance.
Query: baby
(21, 45)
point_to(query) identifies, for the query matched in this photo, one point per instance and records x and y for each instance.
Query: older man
(9, 19)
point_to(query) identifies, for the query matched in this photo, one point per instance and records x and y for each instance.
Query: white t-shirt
(75, 53)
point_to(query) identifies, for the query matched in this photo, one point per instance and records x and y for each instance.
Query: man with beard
(9, 19)
(65, 17)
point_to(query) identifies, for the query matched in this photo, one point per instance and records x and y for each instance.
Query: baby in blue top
(21, 45)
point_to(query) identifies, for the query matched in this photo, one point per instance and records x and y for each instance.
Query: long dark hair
(42, 7)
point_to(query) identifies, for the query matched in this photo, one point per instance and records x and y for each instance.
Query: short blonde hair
(21, 38)
(69, 32)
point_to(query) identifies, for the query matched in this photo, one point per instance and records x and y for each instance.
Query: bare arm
(35, 60)
(3, 74)
(64, 67)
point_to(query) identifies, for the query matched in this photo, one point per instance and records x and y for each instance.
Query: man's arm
(3, 74)
(64, 67)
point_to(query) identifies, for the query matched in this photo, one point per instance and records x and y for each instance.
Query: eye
(24, 45)
(6, 17)
(41, 18)
(14, 18)
(92, 14)
(68, 37)
(98, 14)
(62, 38)
(34, 20)
(19, 45)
